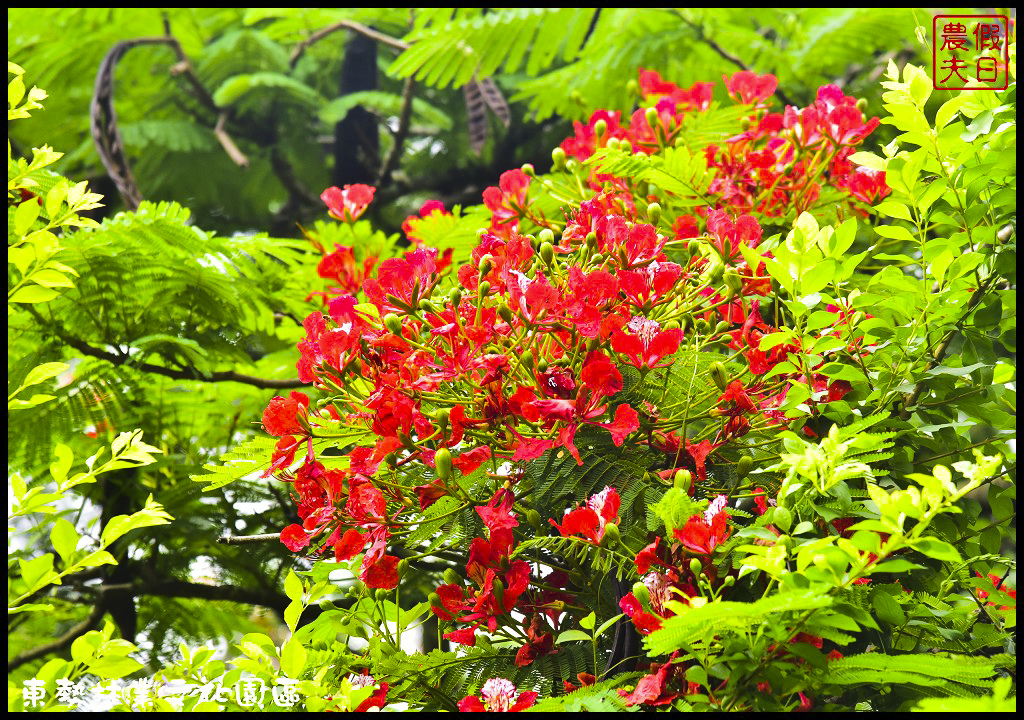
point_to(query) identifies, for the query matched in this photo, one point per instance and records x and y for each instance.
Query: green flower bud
(695, 567)
(671, 325)
(435, 600)
(452, 577)
(597, 259)
(715, 272)
(612, 144)
(427, 306)
(591, 239)
(546, 235)
(611, 535)
(745, 124)
(381, 594)
(729, 581)
(441, 418)
(527, 169)
(542, 365)
(485, 265)
(862, 104)
(651, 116)
(547, 252)
(528, 360)
(558, 158)
(498, 588)
(744, 466)
(719, 375)
(455, 297)
(505, 312)
(682, 480)
(641, 593)
(782, 518)
(654, 213)
(484, 288)
(722, 326)
(393, 323)
(533, 517)
(443, 463)
(600, 128)
(693, 247)
(733, 281)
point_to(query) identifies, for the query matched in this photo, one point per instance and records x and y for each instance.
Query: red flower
(702, 534)
(646, 343)
(348, 204)
(749, 88)
(506, 200)
(651, 689)
(998, 587)
(644, 621)
(281, 416)
(590, 520)
(499, 695)
(294, 537)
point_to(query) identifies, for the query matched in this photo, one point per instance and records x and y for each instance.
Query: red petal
(294, 537)
(382, 574)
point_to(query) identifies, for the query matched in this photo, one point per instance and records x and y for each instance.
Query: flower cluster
(551, 326)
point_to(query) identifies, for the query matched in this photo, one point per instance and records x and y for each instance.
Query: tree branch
(399, 137)
(247, 539)
(343, 25)
(191, 374)
(60, 643)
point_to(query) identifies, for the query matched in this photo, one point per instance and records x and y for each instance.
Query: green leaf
(938, 549)
(25, 214)
(293, 658)
(114, 667)
(34, 571)
(587, 623)
(64, 539)
(98, 557)
(292, 613)
(888, 609)
(293, 586)
(38, 399)
(571, 635)
(32, 294)
(607, 624)
(42, 373)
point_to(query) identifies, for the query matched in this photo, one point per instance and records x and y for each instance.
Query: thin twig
(189, 374)
(247, 539)
(60, 643)
(343, 25)
(227, 143)
(404, 117)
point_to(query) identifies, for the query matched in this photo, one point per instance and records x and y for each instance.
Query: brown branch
(194, 375)
(60, 643)
(343, 25)
(201, 591)
(248, 539)
(728, 56)
(404, 117)
(911, 398)
(228, 144)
